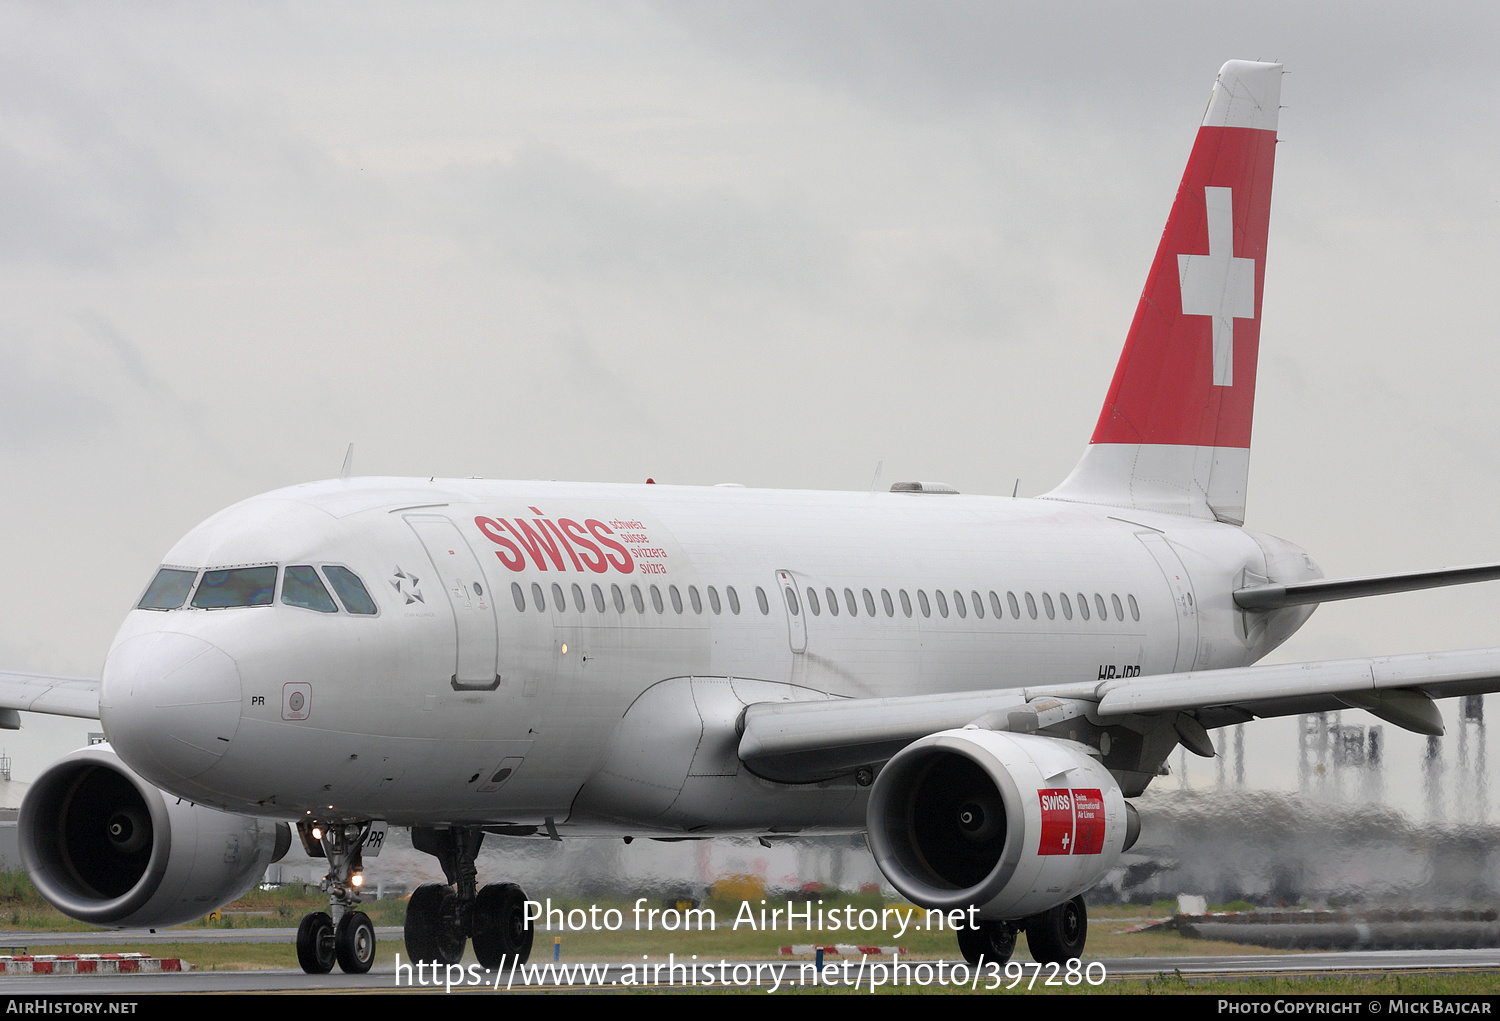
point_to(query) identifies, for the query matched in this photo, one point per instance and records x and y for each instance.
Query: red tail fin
(1174, 434)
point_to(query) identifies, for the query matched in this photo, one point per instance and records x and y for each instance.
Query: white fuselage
(466, 698)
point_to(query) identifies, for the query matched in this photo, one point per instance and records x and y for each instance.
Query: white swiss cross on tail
(1218, 284)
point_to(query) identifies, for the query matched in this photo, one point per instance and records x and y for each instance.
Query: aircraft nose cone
(170, 704)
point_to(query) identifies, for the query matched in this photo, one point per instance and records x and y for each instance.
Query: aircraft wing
(45, 693)
(1398, 689)
(803, 741)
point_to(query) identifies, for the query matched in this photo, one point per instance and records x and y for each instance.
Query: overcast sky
(770, 243)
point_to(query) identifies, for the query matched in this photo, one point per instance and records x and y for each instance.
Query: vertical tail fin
(1174, 434)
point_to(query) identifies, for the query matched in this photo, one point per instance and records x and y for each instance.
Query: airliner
(979, 684)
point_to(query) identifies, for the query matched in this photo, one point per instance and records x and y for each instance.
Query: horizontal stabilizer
(1325, 590)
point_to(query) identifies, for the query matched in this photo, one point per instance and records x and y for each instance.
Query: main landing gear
(1055, 936)
(440, 919)
(342, 933)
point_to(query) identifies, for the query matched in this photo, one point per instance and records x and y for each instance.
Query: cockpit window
(301, 587)
(350, 589)
(168, 589)
(240, 586)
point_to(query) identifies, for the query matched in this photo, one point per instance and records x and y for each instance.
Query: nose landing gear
(341, 934)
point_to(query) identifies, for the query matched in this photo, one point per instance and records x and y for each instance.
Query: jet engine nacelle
(106, 847)
(1012, 824)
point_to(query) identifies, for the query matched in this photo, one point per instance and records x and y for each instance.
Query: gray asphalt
(759, 974)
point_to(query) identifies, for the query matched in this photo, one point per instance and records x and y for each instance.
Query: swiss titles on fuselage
(593, 545)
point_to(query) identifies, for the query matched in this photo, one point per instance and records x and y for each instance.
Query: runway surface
(783, 973)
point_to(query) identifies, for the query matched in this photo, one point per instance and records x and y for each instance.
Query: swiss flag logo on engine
(1072, 821)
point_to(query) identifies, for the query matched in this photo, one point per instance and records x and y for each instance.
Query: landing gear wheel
(315, 943)
(501, 932)
(1057, 936)
(992, 941)
(432, 932)
(354, 943)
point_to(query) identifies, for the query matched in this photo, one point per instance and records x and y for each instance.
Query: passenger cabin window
(695, 599)
(1135, 610)
(537, 599)
(833, 602)
(300, 587)
(762, 601)
(713, 601)
(240, 586)
(885, 601)
(168, 590)
(734, 599)
(350, 590)
(870, 602)
(518, 595)
(598, 595)
(557, 598)
(812, 601)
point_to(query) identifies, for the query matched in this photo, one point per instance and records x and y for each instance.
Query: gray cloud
(43, 407)
(559, 217)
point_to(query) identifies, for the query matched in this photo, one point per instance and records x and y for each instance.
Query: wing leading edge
(45, 693)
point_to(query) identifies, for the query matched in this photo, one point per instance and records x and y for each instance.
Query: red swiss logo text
(565, 544)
